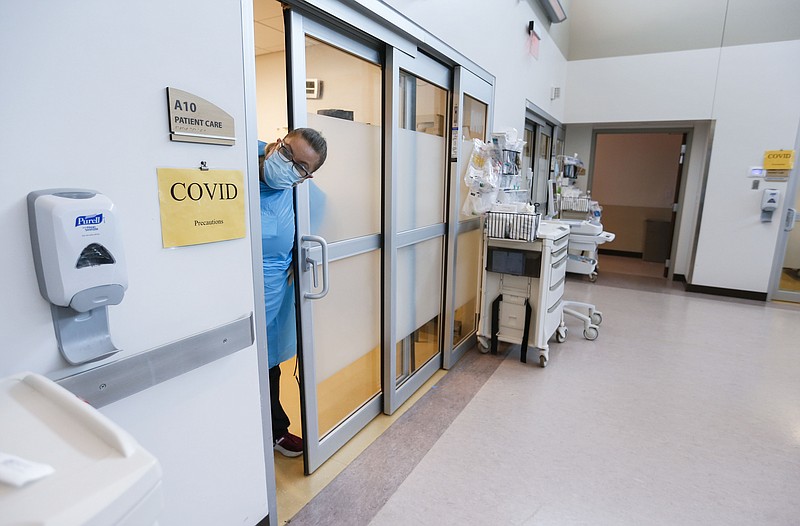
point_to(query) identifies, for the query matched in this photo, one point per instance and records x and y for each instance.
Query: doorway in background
(636, 178)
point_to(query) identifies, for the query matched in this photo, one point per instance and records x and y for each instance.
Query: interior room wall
(273, 122)
(352, 84)
(634, 178)
(85, 107)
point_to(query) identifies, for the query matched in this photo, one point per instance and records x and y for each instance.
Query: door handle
(311, 264)
(791, 217)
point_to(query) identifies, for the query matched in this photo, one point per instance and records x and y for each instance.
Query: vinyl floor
(685, 410)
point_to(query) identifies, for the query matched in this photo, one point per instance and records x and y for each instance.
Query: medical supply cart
(584, 238)
(522, 283)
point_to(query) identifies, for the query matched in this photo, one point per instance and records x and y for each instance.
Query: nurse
(283, 165)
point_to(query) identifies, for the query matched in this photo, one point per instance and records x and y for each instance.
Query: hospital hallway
(685, 410)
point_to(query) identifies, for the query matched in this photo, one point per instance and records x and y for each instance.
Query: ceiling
(268, 16)
(608, 28)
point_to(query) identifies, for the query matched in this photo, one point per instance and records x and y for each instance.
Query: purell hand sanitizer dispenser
(80, 266)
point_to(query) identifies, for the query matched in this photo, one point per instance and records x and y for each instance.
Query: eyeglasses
(287, 156)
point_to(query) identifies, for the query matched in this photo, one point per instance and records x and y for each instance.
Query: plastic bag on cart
(482, 177)
(479, 202)
(483, 170)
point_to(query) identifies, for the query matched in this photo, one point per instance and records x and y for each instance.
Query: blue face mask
(279, 175)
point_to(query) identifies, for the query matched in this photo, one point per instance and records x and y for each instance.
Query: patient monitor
(80, 267)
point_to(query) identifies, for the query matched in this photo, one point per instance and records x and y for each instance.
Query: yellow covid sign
(779, 159)
(200, 206)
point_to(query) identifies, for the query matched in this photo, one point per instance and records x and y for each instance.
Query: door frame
(540, 119)
(678, 199)
(437, 74)
(789, 203)
(465, 82)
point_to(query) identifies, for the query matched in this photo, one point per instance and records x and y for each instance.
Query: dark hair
(315, 140)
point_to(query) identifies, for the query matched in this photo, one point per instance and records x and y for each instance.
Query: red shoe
(289, 445)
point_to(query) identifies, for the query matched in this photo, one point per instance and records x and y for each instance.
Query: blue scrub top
(277, 240)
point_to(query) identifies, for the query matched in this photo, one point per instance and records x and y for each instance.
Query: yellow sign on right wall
(779, 159)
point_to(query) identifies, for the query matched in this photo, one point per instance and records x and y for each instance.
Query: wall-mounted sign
(192, 119)
(778, 164)
(779, 159)
(200, 206)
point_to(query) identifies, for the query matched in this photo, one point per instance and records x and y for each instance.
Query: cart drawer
(512, 315)
(556, 292)
(558, 269)
(553, 318)
(560, 242)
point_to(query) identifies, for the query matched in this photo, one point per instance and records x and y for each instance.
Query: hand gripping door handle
(311, 264)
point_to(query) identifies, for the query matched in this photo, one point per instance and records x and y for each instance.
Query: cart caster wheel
(483, 344)
(542, 362)
(591, 333)
(593, 277)
(597, 318)
(561, 334)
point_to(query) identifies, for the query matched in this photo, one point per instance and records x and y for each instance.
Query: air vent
(313, 89)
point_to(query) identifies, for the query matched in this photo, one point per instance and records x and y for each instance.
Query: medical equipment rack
(522, 285)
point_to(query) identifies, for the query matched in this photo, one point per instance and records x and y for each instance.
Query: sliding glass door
(418, 105)
(471, 118)
(386, 267)
(336, 85)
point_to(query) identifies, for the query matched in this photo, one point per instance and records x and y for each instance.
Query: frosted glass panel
(345, 198)
(421, 168)
(421, 180)
(347, 347)
(466, 283)
(419, 285)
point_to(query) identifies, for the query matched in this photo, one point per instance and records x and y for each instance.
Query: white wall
(84, 105)
(654, 87)
(751, 94)
(751, 117)
(494, 35)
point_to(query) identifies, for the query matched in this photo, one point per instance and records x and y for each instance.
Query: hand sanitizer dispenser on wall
(769, 203)
(80, 266)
